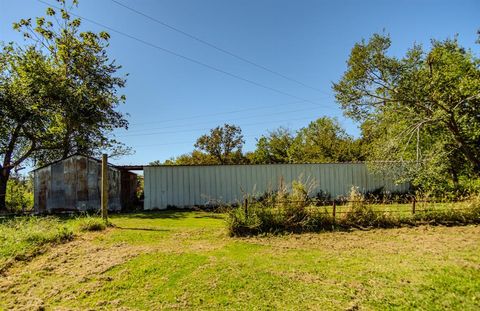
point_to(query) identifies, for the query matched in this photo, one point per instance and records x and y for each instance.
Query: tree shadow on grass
(142, 229)
(210, 216)
(166, 214)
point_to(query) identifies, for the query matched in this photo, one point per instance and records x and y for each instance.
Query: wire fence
(342, 206)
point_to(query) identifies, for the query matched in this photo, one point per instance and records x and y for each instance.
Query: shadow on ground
(142, 229)
(155, 215)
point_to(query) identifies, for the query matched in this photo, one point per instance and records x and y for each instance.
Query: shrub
(88, 223)
(358, 213)
(19, 196)
(262, 218)
(319, 219)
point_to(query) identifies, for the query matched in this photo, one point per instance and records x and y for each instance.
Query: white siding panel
(184, 186)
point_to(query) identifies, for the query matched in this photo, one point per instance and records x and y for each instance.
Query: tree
(224, 144)
(26, 119)
(273, 148)
(194, 158)
(420, 109)
(58, 95)
(83, 85)
(323, 140)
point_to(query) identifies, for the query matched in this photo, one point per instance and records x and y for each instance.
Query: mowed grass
(22, 238)
(185, 260)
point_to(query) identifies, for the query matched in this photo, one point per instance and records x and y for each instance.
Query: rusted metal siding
(73, 184)
(185, 186)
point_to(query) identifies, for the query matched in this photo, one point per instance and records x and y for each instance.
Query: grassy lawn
(185, 260)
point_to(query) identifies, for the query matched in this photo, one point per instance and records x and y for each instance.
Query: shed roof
(73, 155)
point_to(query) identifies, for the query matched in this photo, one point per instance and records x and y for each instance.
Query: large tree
(58, 94)
(26, 118)
(420, 109)
(86, 83)
(224, 144)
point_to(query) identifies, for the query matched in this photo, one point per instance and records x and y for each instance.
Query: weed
(91, 224)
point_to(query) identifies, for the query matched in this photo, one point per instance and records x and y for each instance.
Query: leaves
(224, 143)
(418, 109)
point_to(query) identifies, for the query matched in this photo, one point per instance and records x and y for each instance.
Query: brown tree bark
(4, 176)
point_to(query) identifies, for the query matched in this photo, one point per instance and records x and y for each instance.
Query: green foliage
(19, 194)
(194, 158)
(268, 216)
(418, 110)
(58, 94)
(273, 148)
(88, 223)
(224, 144)
(323, 140)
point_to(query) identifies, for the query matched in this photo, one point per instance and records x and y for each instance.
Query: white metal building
(186, 186)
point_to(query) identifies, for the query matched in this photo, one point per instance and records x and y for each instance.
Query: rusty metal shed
(73, 184)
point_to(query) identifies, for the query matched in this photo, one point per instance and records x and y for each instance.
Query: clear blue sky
(172, 101)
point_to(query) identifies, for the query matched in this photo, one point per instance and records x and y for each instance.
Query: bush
(262, 218)
(19, 196)
(88, 223)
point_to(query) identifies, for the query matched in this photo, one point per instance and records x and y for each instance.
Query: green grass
(22, 238)
(185, 260)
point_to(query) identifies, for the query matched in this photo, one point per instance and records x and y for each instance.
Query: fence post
(245, 206)
(104, 195)
(334, 212)
(413, 205)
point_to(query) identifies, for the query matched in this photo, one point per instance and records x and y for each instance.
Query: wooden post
(104, 195)
(413, 205)
(334, 209)
(245, 206)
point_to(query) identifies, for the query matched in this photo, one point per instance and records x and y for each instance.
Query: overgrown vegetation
(89, 223)
(19, 197)
(295, 213)
(24, 237)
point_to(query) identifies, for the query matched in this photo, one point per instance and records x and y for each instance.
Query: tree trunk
(4, 176)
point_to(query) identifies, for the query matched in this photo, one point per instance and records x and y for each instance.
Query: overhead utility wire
(222, 121)
(207, 129)
(216, 47)
(182, 142)
(183, 56)
(229, 112)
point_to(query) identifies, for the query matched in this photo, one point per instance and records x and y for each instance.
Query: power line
(214, 46)
(181, 142)
(222, 121)
(183, 56)
(229, 112)
(206, 129)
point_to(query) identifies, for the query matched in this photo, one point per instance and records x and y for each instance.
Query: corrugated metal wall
(184, 186)
(73, 184)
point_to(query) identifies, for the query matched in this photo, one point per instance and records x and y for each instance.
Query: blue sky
(171, 101)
